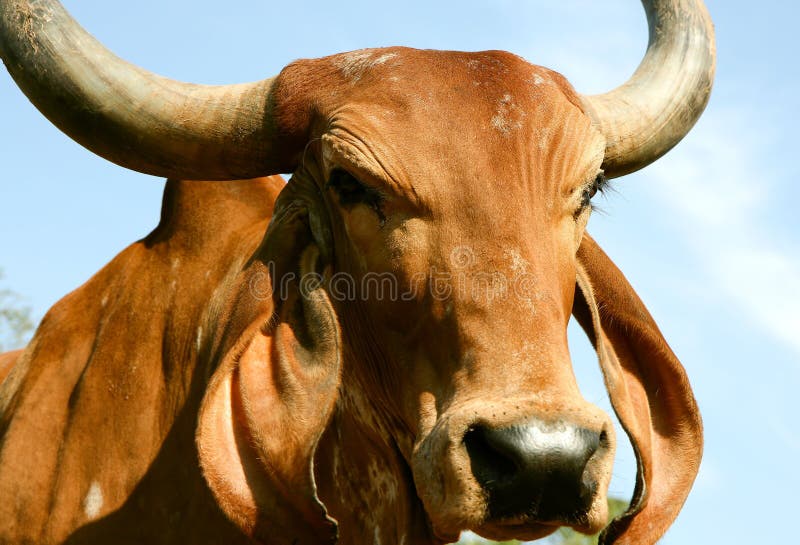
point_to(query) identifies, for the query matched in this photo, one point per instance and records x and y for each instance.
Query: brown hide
(212, 384)
(98, 418)
(366, 416)
(7, 361)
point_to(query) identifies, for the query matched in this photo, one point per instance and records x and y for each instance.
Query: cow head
(452, 215)
(424, 261)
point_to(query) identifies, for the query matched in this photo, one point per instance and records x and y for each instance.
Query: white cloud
(767, 284)
(721, 194)
(710, 476)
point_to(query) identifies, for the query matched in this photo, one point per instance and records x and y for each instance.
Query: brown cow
(375, 351)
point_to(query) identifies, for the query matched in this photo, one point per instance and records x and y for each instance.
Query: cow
(375, 351)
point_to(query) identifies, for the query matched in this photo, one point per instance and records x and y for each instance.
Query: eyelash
(352, 191)
(599, 185)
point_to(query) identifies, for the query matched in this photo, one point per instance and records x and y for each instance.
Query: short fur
(180, 396)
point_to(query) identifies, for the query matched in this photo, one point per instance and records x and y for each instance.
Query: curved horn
(644, 118)
(130, 116)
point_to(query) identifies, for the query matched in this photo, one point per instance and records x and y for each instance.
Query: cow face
(453, 213)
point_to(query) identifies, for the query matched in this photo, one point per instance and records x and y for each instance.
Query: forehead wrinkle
(583, 149)
(512, 166)
(368, 156)
(544, 157)
(564, 150)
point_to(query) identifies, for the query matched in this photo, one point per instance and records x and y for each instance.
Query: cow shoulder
(101, 393)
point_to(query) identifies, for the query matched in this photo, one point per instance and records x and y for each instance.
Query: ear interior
(264, 412)
(649, 391)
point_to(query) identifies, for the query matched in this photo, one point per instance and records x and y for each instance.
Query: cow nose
(535, 469)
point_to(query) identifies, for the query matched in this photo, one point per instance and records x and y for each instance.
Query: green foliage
(567, 536)
(16, 324)
(564, 536)
(474, 540)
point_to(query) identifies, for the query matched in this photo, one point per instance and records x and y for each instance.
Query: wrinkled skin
(107, 392)
(434, 365)
(483, 173)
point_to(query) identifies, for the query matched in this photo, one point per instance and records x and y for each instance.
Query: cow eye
(352, 192)
(599, 184)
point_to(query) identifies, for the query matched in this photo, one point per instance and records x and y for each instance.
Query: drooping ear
(270, 400)
(650, 394)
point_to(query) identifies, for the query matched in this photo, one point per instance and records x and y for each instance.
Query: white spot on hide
(474, 64)
(93, 501)
(355, 64)
(508, 116)
(528, 354)
(524, 281)
(199, 340)
(383, 58)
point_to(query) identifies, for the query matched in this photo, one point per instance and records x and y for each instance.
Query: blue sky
(708, 235)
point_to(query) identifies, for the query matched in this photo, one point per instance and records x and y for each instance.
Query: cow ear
(268, 403)
(650, 394)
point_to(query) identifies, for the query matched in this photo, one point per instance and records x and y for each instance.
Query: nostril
(491, 463)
